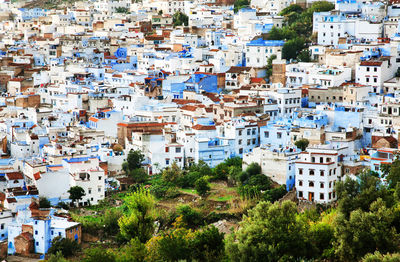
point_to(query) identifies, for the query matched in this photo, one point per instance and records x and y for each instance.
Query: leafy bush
(202, 186)
(66, 246)
(190, 217)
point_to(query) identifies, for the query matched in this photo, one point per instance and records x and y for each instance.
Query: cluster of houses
(83, 84)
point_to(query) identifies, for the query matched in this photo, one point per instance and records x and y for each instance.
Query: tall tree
(133, 161)
(271, 232)
(139, 217)
(366, 232)
(76, 193)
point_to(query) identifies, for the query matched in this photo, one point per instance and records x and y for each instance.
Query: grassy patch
(221, 198)
(188, 191)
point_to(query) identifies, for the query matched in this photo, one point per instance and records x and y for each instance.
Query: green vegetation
(239, 4)
(302, 143)
(65, 246)
(179, 19)
(139, 216)
(364, 224)
(44, 202)
(122, 10)
(298, 29)
(76, 193)
(202, 186)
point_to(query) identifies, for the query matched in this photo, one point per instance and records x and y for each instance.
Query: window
(321, 173)
(99, 189)
(321, 160)
(312, 159)
(279, 135)
(240, 132)
(36, 232)
(166, 149)
(240, 141)
(99, 178)
(37, 243)
(300, 171)
(2, 226)
(240, 150)
(321, 185)
(248, 132)
(300, 193)
(300, 183)
(311, 173)
(177, 149)
(311, 184)
(90, 191)
(167, 161)
(321, 196)
(266, 134)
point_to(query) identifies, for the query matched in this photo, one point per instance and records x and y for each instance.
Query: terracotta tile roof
(371, 63)
(93, 119)
(238, 69)
(201, 127)
(189, 108)
(26, 235)
(37, 176)
(185, 101)
(11, 200)
(14, 175)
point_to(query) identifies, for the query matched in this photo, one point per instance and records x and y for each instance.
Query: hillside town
(104, 100)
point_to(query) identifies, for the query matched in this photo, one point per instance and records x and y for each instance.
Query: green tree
(292, 48)
(233, 161)
(253, 169)
(304, 56)
(187, 180)
(202, 186)
(366, 232)
(269, 66)
(172, 245)
(322, 236)
(139, 216)
(208, 245)
(290, 9)
(302, 143)
(44, 202)
(98, 254)
(221, 171)
(394, 174)
(274, 194)
(378, 257)
(110, 221)
(172, 173)
(133, 251)
(179, 19)
(190, 216)
(76, 193)
(133, 161)
(57, 257)
(271, 232)
(123, 10)
(361, 193)
(66, 246)
(239, 4)
(139, 175)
